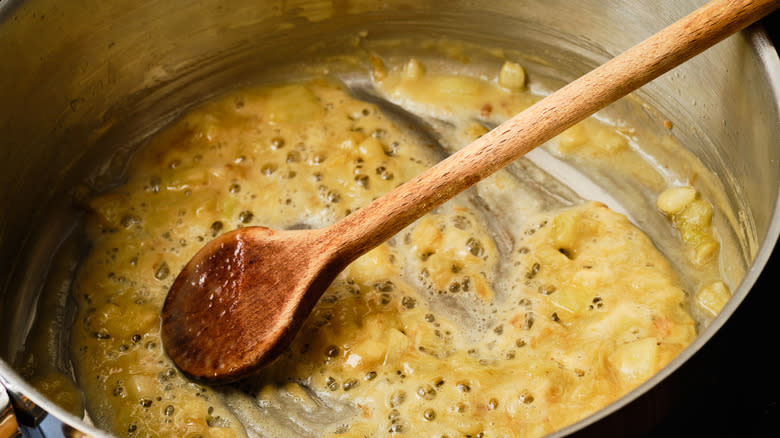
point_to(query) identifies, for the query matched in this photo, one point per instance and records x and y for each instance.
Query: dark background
(731, 386)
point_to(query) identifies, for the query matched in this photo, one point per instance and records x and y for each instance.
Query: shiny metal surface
(83, 82)
(9, 428)
(33, 415)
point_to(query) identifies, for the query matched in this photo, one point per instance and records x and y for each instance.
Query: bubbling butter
(502, 313)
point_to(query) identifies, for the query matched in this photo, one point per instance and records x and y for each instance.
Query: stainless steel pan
(83, 82)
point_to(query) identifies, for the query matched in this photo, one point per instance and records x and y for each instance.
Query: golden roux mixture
(466, 324)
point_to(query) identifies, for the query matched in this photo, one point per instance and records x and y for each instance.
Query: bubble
(350, 384)
(318, 158)
(392, 149)
(426, 392)
(362, 180)
(397, 398)
(528, 320)
(277, 143)
(384, 173)
(534, 270)
(384, 286)
(461, 222)
(216, 421)
(162, 271)
(378, 133)
(245, 216)
(329, 196)
(293, 157)
(475, 247)
(268, 169)
(396, 428)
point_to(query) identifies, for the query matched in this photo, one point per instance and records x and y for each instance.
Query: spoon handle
(386, 216)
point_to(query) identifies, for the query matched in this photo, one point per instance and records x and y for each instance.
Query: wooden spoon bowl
(238, 303)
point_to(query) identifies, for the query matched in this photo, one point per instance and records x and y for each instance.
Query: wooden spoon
(240, 301)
